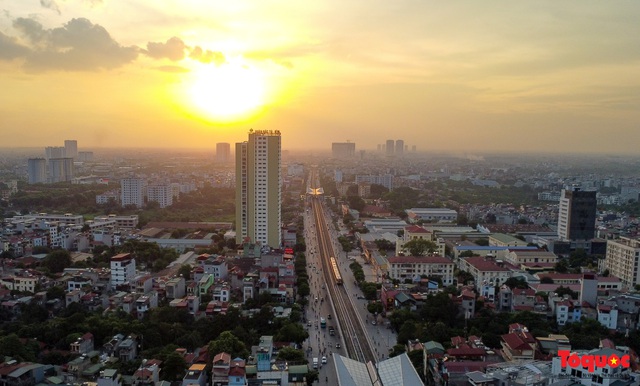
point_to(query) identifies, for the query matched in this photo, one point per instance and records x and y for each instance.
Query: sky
(480, 76)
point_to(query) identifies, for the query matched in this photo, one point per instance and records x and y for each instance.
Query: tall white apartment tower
(54, 152)
(131, 192)
(258, 188)
(37, 168)
(223, 152)
(60, 169)
(71, 148)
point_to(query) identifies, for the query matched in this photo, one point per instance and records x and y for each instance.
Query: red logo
(591, 362)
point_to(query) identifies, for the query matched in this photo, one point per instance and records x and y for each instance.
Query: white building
(622, 260)
(60, 170)
(431, 215)
(600, 376)
(123, 269)
(37, 169)
(384, 180)
(258, 188)
(71, 148)
(415, 267)
(485, 272)
(162, 194)
(131, 192)
(106, 196)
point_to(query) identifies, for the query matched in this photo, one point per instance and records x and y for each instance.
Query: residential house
(518, 344)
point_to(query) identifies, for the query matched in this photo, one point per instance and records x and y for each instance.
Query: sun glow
(227, 92)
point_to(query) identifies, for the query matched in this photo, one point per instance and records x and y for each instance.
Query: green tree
(173, 367)
(57, 261)
(561, 266)
(291, 354)
(356, 202)
(375, 307)
(227, 342)
(516, 282)
(185, 271)
(384, 245)
(420, 247)
(377, 191)
(291, 332)
(55, 292)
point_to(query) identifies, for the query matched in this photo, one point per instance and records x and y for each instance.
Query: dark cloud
(77, 46)
(80, 45)
(173, 69)
(207, 56)
(173, 49)
(10, 48)
(50, 4)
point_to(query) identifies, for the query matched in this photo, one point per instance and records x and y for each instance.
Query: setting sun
(227, 92)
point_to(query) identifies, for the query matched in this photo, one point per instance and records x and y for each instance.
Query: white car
(324, 360)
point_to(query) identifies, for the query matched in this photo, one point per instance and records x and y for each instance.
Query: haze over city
(470, 76)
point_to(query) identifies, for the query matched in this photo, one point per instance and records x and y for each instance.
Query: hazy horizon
(478, 77)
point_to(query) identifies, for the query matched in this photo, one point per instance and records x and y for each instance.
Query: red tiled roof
(457, 340)
(222, 357)
(482, 264)
(524, 292)
(466, 352)
(515, 342)
(415, 229)
(419, 259)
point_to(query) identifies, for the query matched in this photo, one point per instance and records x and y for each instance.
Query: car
(309, 323)
(338, 345)
(373, 322)
(329, 316)
(324, 360)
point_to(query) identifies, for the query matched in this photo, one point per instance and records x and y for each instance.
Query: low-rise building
(416, 267)
(485, 271)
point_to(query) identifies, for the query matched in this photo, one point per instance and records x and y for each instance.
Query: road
(358, 337)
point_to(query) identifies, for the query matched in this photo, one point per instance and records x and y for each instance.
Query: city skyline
(474, 77)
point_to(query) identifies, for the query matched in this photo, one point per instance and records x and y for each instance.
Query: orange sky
(466, 75)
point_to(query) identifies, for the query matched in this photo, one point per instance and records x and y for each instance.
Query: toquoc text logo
(591, 362)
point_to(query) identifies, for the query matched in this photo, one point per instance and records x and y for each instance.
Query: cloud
(173, 49)
(50, 4)
(173, 69)
(207, 56)
(77, 46)
(10, 49)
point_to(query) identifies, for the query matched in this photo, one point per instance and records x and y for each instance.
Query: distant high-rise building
(71, 148)
(258, 188)
(223, 152)
(131, 192)
(343, 149)
(399, 147)
(160, 193)
(389, 147)
(37, 169)
(60, 170)
(577, 215)
(85, 156)
(379, 148)
(54, 152)
(384, 180)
